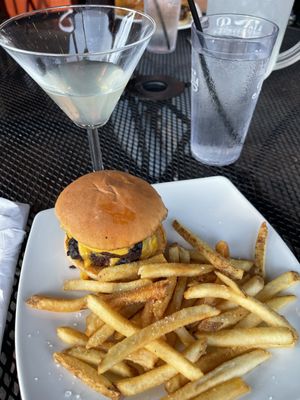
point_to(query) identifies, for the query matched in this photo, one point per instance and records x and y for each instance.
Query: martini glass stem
(95, 149)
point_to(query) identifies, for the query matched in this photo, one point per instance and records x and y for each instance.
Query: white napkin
(13, 218)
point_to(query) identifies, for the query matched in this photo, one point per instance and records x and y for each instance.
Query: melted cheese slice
(149, 248)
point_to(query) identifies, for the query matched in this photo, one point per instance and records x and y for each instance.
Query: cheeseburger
(110, 218)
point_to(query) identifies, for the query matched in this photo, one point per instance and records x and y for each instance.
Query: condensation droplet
(29, 335)
(68, 393)
(36, 378)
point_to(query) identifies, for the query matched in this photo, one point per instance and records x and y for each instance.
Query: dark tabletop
(42, 151)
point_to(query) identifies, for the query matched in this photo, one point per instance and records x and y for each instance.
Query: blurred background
(9, 8)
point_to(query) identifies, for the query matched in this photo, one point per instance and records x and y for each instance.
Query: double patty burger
(110, 218)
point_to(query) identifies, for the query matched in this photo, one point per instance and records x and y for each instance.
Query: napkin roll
(13, 219)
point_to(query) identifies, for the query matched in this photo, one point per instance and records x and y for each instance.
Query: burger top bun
(109, 210)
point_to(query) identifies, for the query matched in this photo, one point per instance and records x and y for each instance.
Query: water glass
(229, 61)
(277, 11)
(166, 15)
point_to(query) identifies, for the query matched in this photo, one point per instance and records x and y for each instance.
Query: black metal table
(42, 151)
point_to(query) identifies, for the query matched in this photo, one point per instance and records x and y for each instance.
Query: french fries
(223, 248)
(92, 323)
(104, 287)
(157, 376)
(88, 375)
(71, 336)
(276, 304)
(106, 331)
(126, 271)
(215, 259)
(265, 337)
(155, 291)
(229, 390)
(224, 320)
(159, 307)
(195, 321)
(93, 357)
(234, 368)
(206, 363)
(56, 304)
(154, 331)
(158, 347)
(251, 304)
(152, 271)
(260, 249)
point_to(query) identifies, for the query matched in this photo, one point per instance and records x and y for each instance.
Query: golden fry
(265, 337)
(144, 358)
(158, 347)
(253, 286)
(222, 248)
(184, 255)
(251, 304)
(56, 304)
(212, 256)
(224, 320)
(229, 390)
(185, 337)
(88, 375)
(157, 376)
(92, 323)
(71, 336)
(230, 369)
(206, 363)
(252, 320)
(173, 253)
(100, 336)
(245, 265)
(260, 249)
(155, 291)
(93, 357)
(126, 271)
(147, 316)
(282, 282)
(106, 331)
(160, 306)
(176, 301)
(152, 271)
(104, 287)
(155, 331)
(229, 282)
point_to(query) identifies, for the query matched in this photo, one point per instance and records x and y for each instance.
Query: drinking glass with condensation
(229, 61)
(277, 11)
(166, 15)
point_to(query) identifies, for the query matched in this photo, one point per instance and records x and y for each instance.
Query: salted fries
(195, 322)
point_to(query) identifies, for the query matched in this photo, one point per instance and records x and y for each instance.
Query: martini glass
(81, 56)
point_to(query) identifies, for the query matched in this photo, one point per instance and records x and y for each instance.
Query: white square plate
(213, 208)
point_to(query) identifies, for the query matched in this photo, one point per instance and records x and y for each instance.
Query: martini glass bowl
(81, 56)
